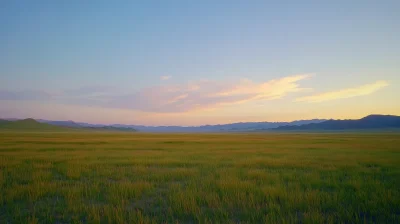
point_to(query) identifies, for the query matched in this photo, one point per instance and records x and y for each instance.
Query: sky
(198, 62)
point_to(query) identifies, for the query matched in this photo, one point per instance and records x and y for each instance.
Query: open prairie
(99, 177)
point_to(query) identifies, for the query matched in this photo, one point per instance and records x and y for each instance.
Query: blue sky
(177, 62)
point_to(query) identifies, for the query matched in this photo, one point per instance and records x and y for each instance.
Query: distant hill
(33, 125)
(369, 122)
(108, 128)
(87, 126)
(234, 127)
(28, 125)
(71, 123)
(61, 123)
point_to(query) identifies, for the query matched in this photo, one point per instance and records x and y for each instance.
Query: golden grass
(99, 177)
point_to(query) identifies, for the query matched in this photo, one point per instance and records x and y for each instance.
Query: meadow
(105, 177)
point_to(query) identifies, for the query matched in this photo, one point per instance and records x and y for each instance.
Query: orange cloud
(206, 94)
(345, 93)
(268, 90)
(180, 98)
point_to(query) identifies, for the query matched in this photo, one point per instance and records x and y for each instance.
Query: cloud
(205, 94)
(176, 98)
(166, 77)
(345, 93)
(24, 95)
(88, 91)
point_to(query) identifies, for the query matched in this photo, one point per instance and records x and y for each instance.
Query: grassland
(84, 177)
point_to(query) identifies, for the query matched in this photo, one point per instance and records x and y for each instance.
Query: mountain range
(368, 122)
(373, 122)
(234, 127)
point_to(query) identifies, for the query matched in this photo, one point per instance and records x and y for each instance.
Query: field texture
(85, 177)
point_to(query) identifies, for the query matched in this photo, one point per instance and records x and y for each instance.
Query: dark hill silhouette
(368, 122)
(28, 125)
(33, 125)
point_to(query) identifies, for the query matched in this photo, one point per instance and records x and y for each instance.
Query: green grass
(84, 177)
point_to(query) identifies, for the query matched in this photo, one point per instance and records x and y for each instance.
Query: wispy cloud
(88, 90)
(205, 94)
(345, 93)
(185, 97)
(166, 77)
(24, 95)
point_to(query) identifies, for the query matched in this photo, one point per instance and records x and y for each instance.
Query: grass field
(85, 177)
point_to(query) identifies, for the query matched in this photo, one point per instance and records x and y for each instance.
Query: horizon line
(78, 122)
